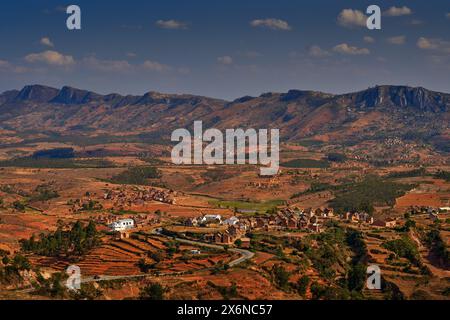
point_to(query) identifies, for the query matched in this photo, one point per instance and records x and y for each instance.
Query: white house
(210, 218)
(231, 221)
(122, 225)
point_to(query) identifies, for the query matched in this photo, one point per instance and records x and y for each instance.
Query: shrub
(153, 291)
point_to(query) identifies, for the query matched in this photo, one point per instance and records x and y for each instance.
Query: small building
(119, 235)
(231, 221)
(245, 243)
(315, 227)
(195, 251)
(122, 225)
(388, 223)
(211, 218)
(191, 222)
(433, 216)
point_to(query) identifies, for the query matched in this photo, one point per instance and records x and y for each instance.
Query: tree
(281, 276)
(356, 277)
(19, 206)
(153, 291)
(302, 285)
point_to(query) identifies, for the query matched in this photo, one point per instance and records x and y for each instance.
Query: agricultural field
(41, 199)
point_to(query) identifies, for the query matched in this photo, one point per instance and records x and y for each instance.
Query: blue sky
(224, 49)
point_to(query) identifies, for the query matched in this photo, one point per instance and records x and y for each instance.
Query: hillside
(377, 113)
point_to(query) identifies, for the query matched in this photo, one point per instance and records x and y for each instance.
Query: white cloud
(131, 55)
(352, 18)
(271, 23)
(344, 48)
(398, 11)
(123, 66)
(51, 57)
(225, 60)
(9, 67)
(318, 52)
(46, 42)
(434, 44)
(155, 66)
(399, 40)
(171, 24)
(369, 39)
(107, 65)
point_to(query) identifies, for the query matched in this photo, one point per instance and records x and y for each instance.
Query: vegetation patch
(137, 176)
(306, 163)
(70, 243)
(56, 163)
(364, 195)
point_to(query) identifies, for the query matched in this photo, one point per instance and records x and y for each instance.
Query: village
(122, 198)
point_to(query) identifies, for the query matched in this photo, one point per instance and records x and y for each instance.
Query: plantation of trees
(74, 242)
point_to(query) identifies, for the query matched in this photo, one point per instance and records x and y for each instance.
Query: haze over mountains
(378, 112)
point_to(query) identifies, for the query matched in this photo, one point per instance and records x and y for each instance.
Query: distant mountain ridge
(402, 96)
(375, 112)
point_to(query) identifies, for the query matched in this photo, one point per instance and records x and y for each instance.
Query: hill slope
(375, 113)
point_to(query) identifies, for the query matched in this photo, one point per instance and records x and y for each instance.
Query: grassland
(247, 206)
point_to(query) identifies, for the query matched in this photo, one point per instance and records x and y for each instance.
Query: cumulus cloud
(171, 24)
(225, 60)
(369, 39)
(46, 42)
(123, 66)
(9, 67)
(352, 18)
(398, 11)
(51, 57)
(399, 40)
(318, 52)
(155, 66)
(434, 44)
(344, 48)
(107, 65)
(271, 23)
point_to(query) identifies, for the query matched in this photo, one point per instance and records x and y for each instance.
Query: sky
(224, 49)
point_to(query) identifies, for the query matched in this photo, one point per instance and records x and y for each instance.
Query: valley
(363, 179)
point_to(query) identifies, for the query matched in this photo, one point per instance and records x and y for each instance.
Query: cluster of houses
(139, 196)
(286, 218)
(311, 220)
(85, 204)
(264, 185)
(432, 212)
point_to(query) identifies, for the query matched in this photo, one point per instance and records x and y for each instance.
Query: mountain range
(376, 113)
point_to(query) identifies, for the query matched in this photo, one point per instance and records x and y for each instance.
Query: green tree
(281, 276)
(153, 291)
(302, 285)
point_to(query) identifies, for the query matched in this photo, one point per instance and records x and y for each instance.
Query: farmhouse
(388, 223)
(231, 221)
(122, 225)
(211, 218)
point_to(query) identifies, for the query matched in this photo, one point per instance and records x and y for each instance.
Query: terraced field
(120, 258)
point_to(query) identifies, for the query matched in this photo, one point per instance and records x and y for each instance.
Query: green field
(306, 163)
(259, 207)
